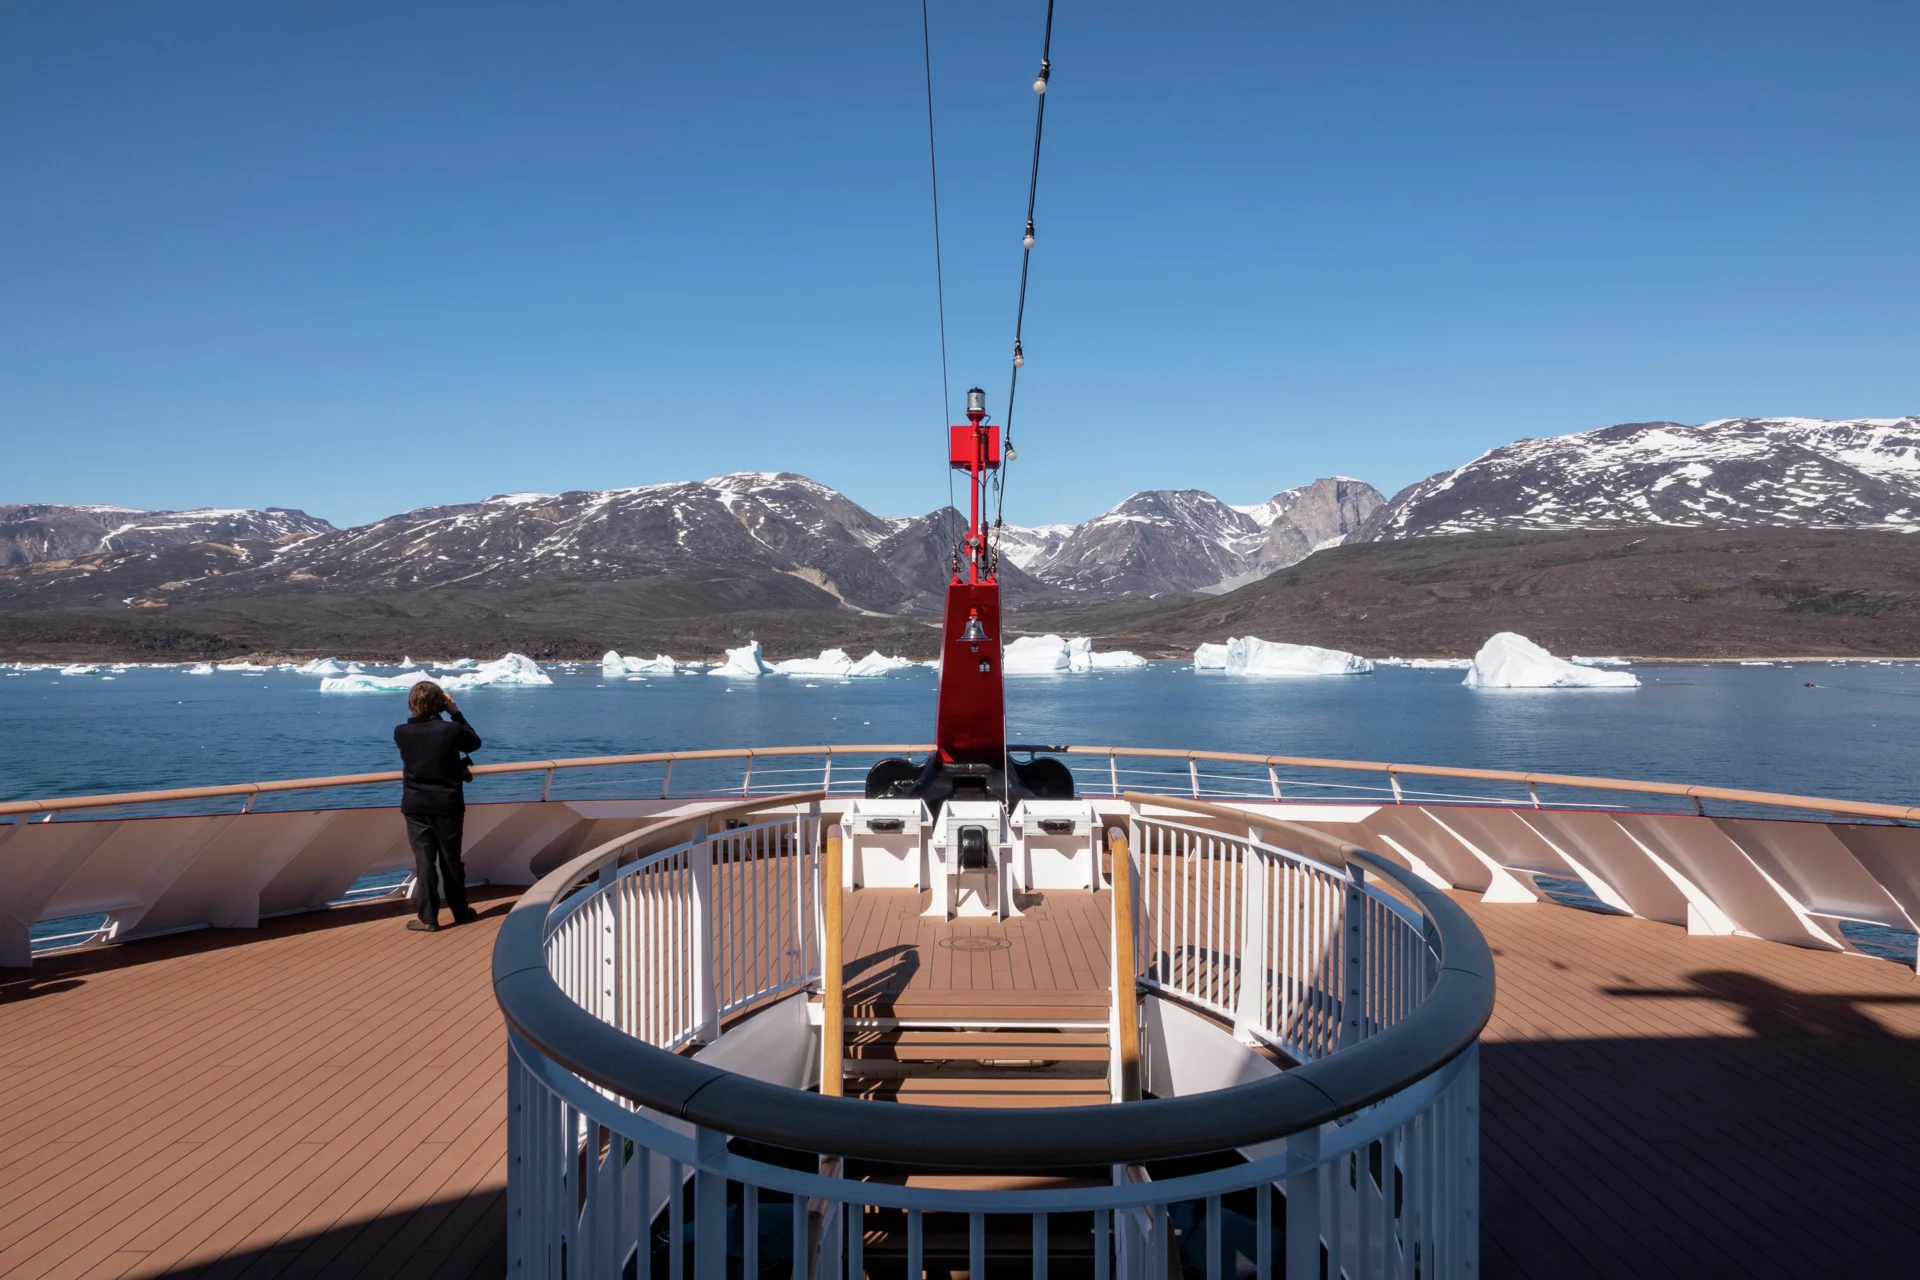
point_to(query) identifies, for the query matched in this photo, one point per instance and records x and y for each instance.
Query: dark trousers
(436, 849)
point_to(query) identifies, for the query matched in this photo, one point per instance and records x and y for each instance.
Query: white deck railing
(619, 1167)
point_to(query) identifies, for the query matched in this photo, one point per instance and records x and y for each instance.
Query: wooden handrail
(1126, 970)
(114, 800)
(1816, 804)
(833, 974)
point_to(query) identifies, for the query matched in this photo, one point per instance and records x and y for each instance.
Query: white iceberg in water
(201, 669)
(1252, 656)
(1510, 661)
(1577, 660)
(1210, 657)
(743, 662)
(78, 669)
(1035, 656)
(1431, 664)
(458, 664)
(831, 662)
(1049, 655)
(320, 667)
(613, 665)
(878, 664)
(514, 669)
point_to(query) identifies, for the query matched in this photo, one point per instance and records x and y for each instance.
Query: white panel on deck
(1739, 889)
(1810, 862)
(1597, 841)
(220, 884)
(357, 842)
(1892, 854)
(40, 858)
(133, 866)
(1415, 829)
(1506, 836)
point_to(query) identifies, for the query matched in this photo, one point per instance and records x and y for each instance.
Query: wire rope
(939, 280)
(1040, 86)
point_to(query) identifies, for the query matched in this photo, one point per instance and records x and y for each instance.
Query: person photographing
(433, 801)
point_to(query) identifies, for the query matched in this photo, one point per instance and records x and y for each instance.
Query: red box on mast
(964, 440)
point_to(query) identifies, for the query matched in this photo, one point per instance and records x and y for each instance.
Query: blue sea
(1854, 734)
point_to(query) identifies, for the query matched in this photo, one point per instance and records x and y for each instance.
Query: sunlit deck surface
(325, 1096)
(1055, 952)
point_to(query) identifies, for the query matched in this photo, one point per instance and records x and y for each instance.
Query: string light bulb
(1019, 356)
(1026, 241)
(1040, 81)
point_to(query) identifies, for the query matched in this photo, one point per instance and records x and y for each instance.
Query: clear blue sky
(359, 257)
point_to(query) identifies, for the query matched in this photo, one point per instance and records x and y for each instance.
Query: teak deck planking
(324, 1096)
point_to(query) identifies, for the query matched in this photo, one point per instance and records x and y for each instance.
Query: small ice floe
(831, 662)
(1510, 661)
(612, 664)
(515, 669)
(878, 664)
(1252, 656)
(743, 663)
(321, 667)
(458, 664)
(200, 669)
(78, 669)
(1579, 661)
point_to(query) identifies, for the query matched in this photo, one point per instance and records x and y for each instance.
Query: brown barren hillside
(1673, 593)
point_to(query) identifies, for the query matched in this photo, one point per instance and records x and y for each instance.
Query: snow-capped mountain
(33, 533)
(750, 521)
(1188, 540)
(1789, 472)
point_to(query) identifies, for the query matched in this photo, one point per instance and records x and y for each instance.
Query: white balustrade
(1306, 956)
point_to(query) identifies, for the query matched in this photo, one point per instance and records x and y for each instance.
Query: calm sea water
(1855, 735)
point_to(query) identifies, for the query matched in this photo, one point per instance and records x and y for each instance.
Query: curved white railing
(624, 1156)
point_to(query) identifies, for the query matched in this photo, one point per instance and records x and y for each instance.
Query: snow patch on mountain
(1731, 472)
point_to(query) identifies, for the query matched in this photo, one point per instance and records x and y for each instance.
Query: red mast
(971, 724)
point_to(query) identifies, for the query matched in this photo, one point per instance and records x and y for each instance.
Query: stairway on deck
(979, 1048)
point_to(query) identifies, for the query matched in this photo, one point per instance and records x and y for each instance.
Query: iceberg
(1080, 654)
(516, 669)
(458, 664)
(831, 662)
(320, 667)
(1510, 661)
(1579, 661)
(1210, 657)
(1432, 664)
(78, 669)
(1252, 656)
(878, 664)
(613, 665)
(1035, 656)
(743, 662)
(201, 669)
(1118, 660)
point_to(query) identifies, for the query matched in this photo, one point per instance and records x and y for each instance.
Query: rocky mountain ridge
(1729, 473)
(33, 533)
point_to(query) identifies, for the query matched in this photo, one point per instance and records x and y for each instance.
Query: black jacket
(430, 763)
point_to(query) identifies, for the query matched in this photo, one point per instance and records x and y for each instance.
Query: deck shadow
(1790, 1151)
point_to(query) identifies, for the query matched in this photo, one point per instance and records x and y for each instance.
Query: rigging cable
(939, 281)
(1026, 257)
